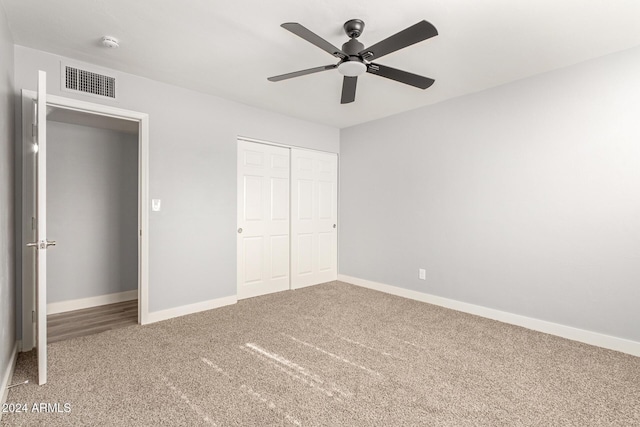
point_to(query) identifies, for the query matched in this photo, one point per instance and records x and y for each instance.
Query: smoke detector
(110, 42)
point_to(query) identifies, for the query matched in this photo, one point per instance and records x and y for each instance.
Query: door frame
(27, 255)
(289, 146)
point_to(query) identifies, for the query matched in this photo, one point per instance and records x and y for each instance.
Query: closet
(95, 169)
(92, 213)
(93, 183)
(287, 218)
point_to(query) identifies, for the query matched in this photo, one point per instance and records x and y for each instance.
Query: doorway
(287, 218)
(92, 196)
(73, 166)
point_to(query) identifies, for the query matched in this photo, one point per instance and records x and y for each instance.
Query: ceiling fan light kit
(355, 60)
(352, 68)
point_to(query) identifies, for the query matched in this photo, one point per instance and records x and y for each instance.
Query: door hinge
(33, 316)
(34, 131)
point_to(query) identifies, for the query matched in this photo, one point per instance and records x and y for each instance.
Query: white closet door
(263, 219)
(314, 217)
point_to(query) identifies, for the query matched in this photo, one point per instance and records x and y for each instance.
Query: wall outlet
(422, 274)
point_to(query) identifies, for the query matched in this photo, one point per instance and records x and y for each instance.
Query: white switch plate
(422, 274)
(155, 205)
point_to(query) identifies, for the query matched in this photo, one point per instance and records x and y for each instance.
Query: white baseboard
(7, 375)
(569, 332)
(183, 310)
(79, 304)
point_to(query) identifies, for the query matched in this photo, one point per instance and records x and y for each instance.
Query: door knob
(32, 244)
(239, 230)
(51, 243)
(334, 225)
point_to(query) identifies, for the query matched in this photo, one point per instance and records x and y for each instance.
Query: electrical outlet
(422, 274)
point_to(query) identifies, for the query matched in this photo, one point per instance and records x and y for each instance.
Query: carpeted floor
(329, 355)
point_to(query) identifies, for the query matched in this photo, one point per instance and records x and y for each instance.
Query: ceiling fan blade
(313, 38)
(414, 34)
(400, 76)
(348, 89)
(301, 73)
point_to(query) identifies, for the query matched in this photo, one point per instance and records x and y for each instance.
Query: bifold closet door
(263, 219)
(314, 217)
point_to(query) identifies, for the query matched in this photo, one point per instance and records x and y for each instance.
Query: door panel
(253, 198)
(280, 256)
(326, 203)
(305, 199)
(263, 219)
(253, 256)
(280, 199)
(314, 178)
(41, 220)
(325, 252)
(304, 254)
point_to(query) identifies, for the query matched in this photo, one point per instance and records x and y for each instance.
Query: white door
(41, 244)
(263, 219)
(314, 217)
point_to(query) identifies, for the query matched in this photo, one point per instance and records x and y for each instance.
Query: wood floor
(89, 321)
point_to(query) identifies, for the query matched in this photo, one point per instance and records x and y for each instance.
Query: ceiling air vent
(88, 82)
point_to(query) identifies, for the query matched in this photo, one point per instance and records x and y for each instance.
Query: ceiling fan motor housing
(353, 65)
(352, 47)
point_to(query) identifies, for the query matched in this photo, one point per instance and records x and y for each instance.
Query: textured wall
(92, 211)
(523, 198)
(192, 169)
(7, 171)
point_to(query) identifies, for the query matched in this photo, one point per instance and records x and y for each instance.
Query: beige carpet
(330, 355)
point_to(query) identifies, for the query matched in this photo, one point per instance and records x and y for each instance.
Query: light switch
(155, 205)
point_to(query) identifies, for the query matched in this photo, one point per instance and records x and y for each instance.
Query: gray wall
(523, 198)
(92, 211)
(193, 170)
(7, 236)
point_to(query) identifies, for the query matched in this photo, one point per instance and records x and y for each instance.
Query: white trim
(278, 144)
(79, 304)
(143, 195)
(143, 221)
(170, 313)
(8, 375)
(569, 332)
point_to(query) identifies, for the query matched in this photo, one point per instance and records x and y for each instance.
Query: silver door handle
(42, 245)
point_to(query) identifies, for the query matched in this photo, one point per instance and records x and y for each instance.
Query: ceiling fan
(355, 60)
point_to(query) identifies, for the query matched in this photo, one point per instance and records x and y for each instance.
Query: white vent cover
(88, 82)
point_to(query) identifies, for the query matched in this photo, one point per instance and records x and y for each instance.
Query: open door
(41, 244)
(36, 106)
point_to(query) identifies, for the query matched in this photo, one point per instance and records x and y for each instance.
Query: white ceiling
(229, 48)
